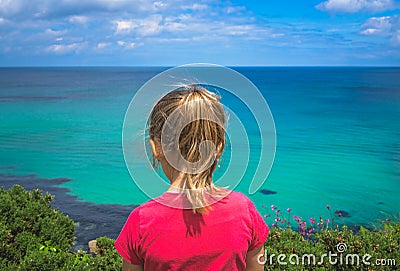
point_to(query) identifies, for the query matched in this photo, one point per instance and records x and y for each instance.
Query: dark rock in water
(267, 192)
(8, 167)
(92, 220)
(342, 213)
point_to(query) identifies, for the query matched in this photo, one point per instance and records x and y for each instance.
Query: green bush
(35, 237)
(27, 222)
(107, 258)
(379, 248)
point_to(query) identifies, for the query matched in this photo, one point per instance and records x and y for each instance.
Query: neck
(176, 180)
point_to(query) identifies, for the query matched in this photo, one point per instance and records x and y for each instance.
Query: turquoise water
(338, 135)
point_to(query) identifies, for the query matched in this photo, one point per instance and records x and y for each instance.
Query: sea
(337, 142)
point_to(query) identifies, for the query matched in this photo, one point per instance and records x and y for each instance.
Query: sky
(175, 32)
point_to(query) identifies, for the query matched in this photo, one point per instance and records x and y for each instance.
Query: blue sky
(174, 32)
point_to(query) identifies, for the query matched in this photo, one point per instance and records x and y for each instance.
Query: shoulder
(136, 213)
(154, 211)
(234, 205)
(240, 199)
(238, 195)
(145, 207)
(243, 205)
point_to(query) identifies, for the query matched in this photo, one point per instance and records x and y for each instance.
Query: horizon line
(170, 66)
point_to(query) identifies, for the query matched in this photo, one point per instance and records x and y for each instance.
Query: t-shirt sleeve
(128, 241)
(260, 229)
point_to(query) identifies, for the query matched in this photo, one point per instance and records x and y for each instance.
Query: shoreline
(92, 220)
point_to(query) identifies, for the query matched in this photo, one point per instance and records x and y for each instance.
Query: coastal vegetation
(322, 244)
(34, 236)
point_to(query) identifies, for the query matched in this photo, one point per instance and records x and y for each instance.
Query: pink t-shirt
(165, 238)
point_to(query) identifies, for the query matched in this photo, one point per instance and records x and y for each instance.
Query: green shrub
(35, 237)
(107, 258)
(40, 260)
(348, 248)
(27, 222)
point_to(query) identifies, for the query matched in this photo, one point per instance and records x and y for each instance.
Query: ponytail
(199, 143)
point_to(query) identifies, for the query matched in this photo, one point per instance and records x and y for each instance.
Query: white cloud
(233, 9)
(164, 40)
(353, 6)
(77, 19)
(195, 7)
(238, 30)
(51, 32)
(126, 45)
(277, 35)
(184, 17)
(159, 5)
(76, 10)
(46, 36)
(124, 26)
(387, 26)
(199, 7)
(144, 27)
(370, 31)
(10, 6)
(377, 26)
(175, 26)
(102, 45)
(396, 38)
(187, 26)
(54, 25)
(65, 48)
(131, 6)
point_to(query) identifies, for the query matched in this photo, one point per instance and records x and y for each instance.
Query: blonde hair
(207, 121)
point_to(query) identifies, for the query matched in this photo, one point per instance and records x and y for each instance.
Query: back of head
(189, 125)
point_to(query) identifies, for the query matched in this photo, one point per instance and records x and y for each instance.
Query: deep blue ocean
(337, 130)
